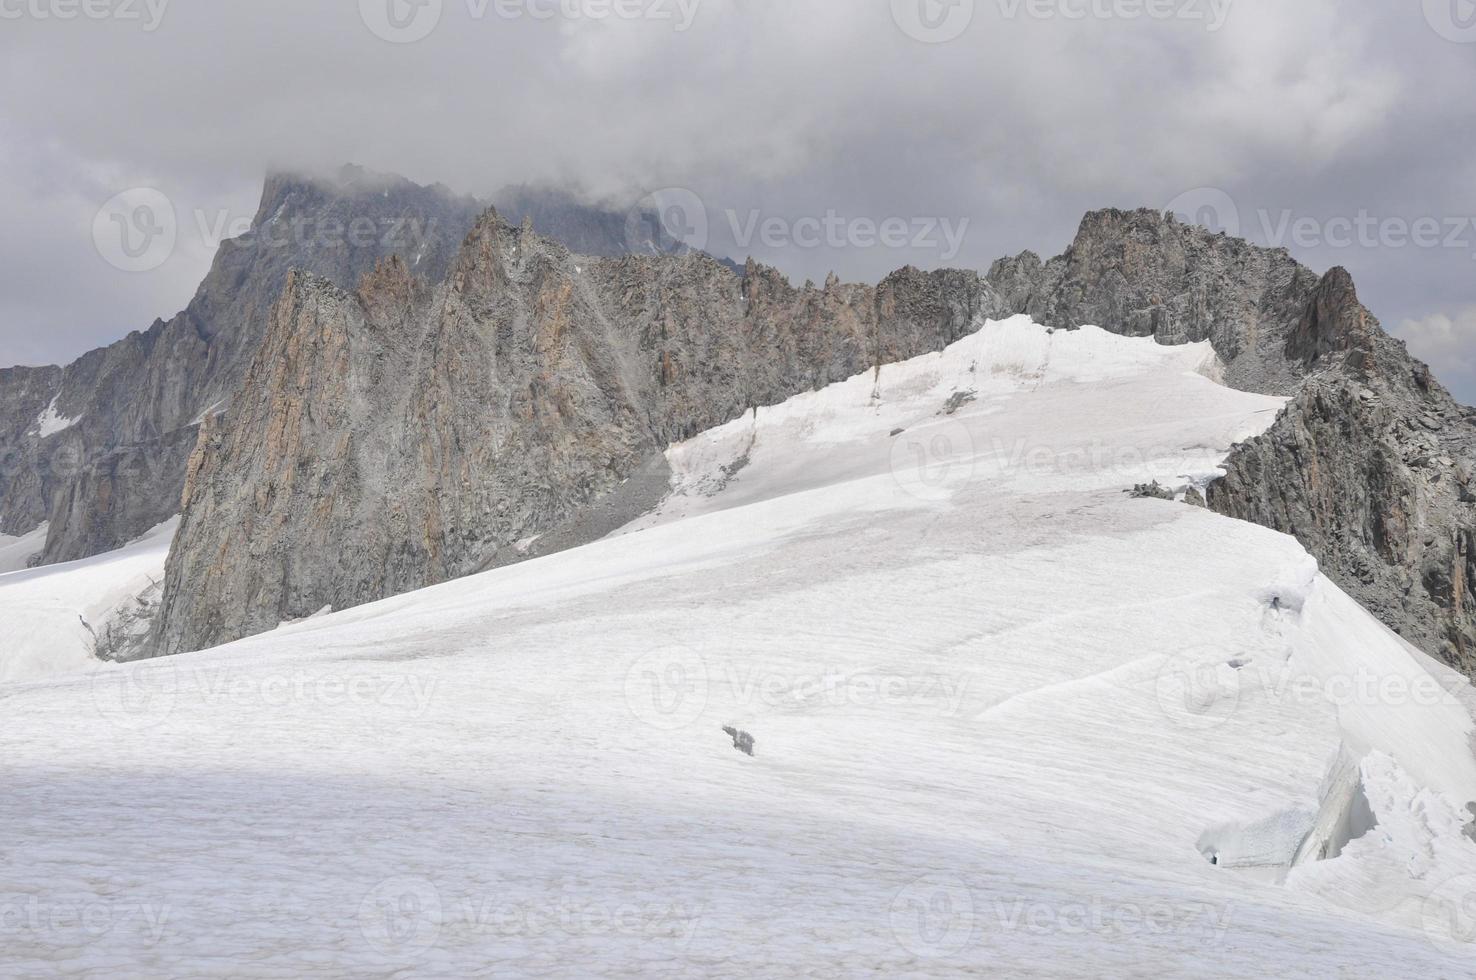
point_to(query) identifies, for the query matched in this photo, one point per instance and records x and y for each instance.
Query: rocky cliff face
(133, 408)
(1144, 274)
(1369, 466)
(406, 433)
(405, 409)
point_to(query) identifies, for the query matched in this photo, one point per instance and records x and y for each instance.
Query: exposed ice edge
(1270, 848)
(75, 616)
(1019, 354)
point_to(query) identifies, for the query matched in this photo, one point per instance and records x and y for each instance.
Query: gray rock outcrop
(406, 433)
(1144, 274)
(119, 468)
(1370, 464)
(348, 417)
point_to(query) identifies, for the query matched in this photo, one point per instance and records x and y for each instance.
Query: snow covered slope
(16, 550)
(1005, 721)
(55, 617)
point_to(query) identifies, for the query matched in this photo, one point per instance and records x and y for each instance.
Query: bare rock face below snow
(404, 434)
(1370, 467)
(1370, 464)
(1144, 274)
(118, 469)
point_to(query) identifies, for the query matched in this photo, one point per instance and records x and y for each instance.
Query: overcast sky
(968, 129)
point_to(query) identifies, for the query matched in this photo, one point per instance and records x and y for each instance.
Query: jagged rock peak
(1334, 322)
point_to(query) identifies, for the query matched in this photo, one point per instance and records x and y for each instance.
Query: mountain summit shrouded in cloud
(782, 488)
(1030, 115)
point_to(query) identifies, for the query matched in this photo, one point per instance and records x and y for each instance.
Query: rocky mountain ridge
(500, 385)
(135, 406)
(406, 433)
(1369, 466)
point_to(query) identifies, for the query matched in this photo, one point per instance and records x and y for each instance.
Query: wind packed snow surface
(1004, 719)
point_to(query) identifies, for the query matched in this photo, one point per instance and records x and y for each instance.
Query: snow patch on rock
(50, 422)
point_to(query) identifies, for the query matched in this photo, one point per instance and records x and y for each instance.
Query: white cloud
(791, 106)
(1446, 342)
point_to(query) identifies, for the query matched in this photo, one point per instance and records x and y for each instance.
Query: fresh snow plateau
(1006, 721)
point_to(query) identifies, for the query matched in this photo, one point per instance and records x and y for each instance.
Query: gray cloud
(1306, 116)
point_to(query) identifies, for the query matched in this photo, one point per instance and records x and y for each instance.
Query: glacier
(1005, 719)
